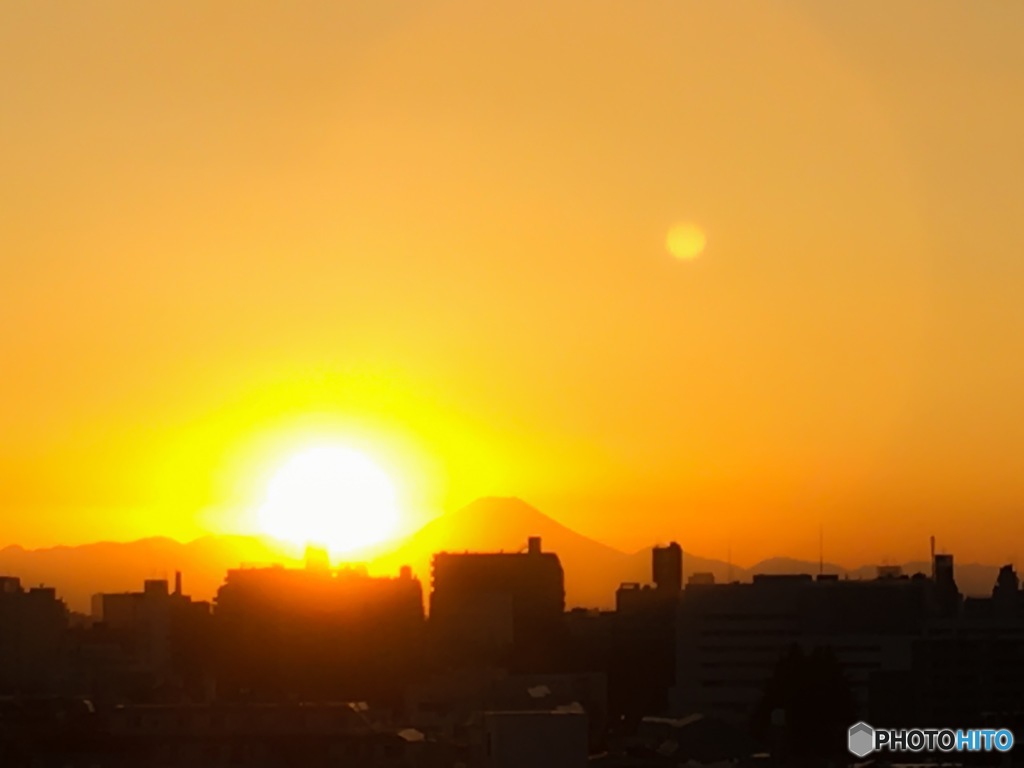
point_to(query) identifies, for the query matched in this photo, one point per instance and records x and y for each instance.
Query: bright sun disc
(330, 496)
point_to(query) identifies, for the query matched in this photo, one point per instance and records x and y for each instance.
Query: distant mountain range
(79, 572)
(593, 570)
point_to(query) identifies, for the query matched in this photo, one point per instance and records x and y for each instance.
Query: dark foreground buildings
(144, 646)
(642, 655)
(336, 668)
(316, 634)
(501, 608)
(33, 625)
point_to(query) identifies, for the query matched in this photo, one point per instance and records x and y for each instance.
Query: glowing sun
(330, 496)
(686, 241)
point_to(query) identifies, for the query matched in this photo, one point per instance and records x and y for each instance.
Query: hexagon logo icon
(861, 739)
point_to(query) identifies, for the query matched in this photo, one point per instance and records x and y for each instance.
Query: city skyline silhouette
(311, 661)
(594, 569)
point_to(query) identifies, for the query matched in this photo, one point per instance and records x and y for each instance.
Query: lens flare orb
(686, 241)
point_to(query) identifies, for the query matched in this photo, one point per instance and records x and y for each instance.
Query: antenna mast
(821, 549)
(728, 557)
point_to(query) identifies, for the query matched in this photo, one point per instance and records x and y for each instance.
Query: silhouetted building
(667, 568)
(947, 595)
(969, 667)
(588, 632)
(641, 666)
(144, 616)
(731, 636)
(316, 633)
(33, 625)
(667, 575)
(665, 678)
(1007, 598)
(146, 645)
(889, 572)
(498, 608)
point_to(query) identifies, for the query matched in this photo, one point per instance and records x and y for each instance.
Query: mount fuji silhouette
(593, 571)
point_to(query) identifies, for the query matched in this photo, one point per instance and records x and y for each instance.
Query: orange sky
(435, 230)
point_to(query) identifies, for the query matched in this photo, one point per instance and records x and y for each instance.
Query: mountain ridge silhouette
(593, 570)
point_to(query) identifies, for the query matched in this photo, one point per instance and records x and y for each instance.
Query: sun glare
(330, 496)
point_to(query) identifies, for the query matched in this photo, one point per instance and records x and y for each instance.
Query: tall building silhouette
(497, 607)
(33, 625)
(642, 661)
(316, 633)
(154, 640)
(947, 595)
(667, 568)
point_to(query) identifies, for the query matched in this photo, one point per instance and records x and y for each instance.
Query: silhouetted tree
(806, 707)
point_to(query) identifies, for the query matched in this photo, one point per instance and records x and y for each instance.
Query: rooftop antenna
(821, 549)
(933, 557)
(728, 559)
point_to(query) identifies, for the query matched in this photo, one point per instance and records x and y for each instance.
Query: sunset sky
(436, 232)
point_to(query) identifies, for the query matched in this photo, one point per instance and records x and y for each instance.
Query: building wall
(281, 632)
(497, 608)
(33, 626)
(730, 637)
